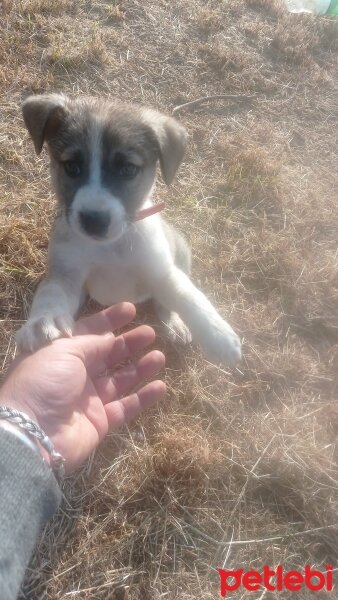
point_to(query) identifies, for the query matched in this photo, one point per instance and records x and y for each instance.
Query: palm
(73, 411)
(67, 389)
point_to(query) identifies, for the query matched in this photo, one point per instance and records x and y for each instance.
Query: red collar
(147, 212)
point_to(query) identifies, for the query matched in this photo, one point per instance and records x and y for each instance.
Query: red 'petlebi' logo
(276, 580)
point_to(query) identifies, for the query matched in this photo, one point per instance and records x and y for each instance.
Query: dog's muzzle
(95, 222)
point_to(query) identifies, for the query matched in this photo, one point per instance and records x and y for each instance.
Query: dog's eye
(128, 171)
(72, 168)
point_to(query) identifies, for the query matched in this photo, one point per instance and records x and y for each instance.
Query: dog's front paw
(221, 344)
(177, 331)
(41, 330)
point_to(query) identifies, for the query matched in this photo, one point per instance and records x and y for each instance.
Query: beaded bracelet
(24, 422)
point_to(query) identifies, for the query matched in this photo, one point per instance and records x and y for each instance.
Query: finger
(93, 350)
(129, 343)
(101, 352)
(129, 377)
(106, 320)
(122, 411)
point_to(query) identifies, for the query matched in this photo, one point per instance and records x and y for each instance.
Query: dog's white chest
(115, 281)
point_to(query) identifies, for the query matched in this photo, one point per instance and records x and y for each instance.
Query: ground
(237, 468)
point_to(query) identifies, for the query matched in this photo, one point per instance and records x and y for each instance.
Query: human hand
(65, 387)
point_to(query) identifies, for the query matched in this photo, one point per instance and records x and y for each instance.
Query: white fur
(138, 266)
(134, 262)
(94, 196)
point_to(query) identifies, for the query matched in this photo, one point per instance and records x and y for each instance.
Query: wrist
(11, 399)
(26, 439)
(23, 421)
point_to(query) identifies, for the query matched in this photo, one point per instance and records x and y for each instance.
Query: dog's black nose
(95, 222)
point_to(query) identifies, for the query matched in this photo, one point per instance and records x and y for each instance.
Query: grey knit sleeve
(29, 496)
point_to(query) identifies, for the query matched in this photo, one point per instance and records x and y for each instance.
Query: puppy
(103, 157)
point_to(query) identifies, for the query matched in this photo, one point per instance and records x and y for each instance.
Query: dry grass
(235, 468)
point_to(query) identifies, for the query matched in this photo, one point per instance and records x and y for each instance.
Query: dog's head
(103, 157)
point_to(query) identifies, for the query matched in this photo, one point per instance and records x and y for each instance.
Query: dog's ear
(43, 115)
(172, 141)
